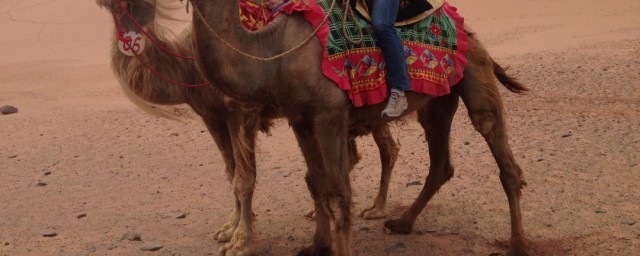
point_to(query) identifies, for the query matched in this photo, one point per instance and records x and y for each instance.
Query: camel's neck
(238, 76)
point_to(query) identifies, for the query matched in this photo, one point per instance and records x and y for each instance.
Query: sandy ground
(110, 169)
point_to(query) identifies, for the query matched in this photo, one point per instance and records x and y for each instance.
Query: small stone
(566, 135)
(41, 184)
(601, 211)
(6, 243)
(548, 225)
(629, 222)
(181, 215)
(151, 247)
(49, 234)
(82, 215)
(13, 156)
(395, 247)
(7, 110)
(175, 134)
(131, 236)
(466, 142)
(414, 183)
(47, 173)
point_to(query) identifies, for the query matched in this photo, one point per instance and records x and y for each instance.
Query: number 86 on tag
(133, 44)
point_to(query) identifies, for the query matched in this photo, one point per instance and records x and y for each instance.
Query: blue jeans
(383, 17)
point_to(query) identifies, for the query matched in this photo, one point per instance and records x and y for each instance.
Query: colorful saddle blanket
(435, 50)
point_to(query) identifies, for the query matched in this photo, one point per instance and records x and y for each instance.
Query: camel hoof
(398, 226)
(240, 245)
(373, 213)
(224, 234)
(232, 250)
(315, 251)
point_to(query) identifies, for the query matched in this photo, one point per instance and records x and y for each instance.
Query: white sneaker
(396, 105)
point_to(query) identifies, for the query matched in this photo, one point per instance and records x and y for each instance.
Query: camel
(323, 119)
(231, 125)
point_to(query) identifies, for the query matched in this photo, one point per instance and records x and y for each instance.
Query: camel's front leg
(219, 130)
(354, 158)
(324, 143)
(243, 127)
(388, 156)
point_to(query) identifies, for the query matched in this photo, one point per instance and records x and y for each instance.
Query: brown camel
(231, 125)
(323, 119)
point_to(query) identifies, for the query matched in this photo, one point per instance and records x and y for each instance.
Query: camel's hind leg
(388, 156)
(436, 120)
(243, 128)
(480, 95)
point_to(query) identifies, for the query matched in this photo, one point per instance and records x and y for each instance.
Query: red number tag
(132, 45)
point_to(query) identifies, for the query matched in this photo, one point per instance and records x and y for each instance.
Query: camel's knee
(485, 122)
(243, 185)
(512, 178)
(442, 174)
(340, 210)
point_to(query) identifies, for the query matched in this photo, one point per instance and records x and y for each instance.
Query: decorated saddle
(435, 48)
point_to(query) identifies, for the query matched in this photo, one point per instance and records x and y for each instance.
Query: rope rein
(315, 31)
(348, 13)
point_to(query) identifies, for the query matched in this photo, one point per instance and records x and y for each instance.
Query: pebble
(466, 143)
(82, 215)
(49, 234)
(395, 247)
(414, 183)
(41, 184)
(182, 215)
(132, 237)
(566, 135)
(601, 211)
(47, 173)
(7, 110)
(13, 156)
(151, 247)
(629, 222)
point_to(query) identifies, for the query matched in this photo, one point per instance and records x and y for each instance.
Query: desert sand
(80, 160)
